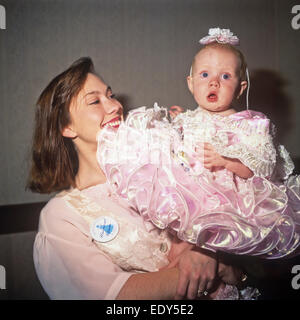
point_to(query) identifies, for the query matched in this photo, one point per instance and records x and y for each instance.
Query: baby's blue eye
(204, 74)
(225, 76)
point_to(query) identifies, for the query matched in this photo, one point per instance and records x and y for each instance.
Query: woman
(70, 262)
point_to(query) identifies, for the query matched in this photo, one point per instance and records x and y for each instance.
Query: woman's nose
(111, 106)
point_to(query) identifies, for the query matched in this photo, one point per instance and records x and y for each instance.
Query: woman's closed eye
(95, 102)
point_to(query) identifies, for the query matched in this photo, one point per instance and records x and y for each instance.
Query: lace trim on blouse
(133, 249)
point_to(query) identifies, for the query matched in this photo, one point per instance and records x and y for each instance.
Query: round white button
(104, 229)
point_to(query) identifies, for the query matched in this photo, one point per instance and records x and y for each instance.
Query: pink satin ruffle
(253, 217)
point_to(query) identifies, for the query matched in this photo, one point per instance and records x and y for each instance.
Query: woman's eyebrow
(90, 93)
(108, 89)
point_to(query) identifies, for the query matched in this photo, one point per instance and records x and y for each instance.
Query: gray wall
(143, 49)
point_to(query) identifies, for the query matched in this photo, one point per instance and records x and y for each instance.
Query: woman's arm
(190, 271)
(70, 265)
(195, 270)
(164, 283)
(150, 286)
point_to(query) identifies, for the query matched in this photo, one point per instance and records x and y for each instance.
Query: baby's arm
(237, 167)
(213, 161)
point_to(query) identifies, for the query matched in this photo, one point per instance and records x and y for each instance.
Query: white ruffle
(254, 146)
(144, 161)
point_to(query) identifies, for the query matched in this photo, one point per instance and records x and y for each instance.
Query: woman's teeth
(113, 124)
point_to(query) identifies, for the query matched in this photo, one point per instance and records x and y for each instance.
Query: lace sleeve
(284, 165)
(253, 145)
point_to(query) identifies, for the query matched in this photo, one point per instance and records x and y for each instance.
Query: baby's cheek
(235, 85)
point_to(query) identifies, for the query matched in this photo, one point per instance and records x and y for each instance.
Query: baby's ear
(189, 81)
(243, 86)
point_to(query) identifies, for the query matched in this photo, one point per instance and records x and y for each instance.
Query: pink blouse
(70, 264)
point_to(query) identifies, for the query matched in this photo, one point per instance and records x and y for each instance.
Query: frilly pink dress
(152, 163)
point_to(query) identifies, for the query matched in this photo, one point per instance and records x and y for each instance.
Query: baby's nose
(214, 83)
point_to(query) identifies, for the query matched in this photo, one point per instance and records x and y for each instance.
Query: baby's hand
(212, 159)
(175, 110)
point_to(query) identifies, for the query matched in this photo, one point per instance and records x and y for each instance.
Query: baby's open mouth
(212, 97)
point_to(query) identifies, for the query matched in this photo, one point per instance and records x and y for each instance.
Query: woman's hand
(197, 272)
(177, 248)
(230, 274)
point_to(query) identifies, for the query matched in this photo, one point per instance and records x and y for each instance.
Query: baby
(212, 175)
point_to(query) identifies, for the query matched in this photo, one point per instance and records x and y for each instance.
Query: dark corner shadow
(268, 95)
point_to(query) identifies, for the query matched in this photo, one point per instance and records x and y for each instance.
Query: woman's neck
(89, 173)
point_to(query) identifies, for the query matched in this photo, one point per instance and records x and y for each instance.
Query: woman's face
(94, 108)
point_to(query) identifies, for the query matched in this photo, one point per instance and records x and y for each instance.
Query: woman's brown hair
(54, 158)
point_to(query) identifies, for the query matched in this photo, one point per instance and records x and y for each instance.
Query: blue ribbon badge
(104, 229)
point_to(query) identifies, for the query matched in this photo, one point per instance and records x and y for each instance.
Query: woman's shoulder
(56, 201)
(56, 209)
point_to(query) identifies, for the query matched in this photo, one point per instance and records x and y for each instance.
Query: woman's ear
(189, 81)
(68, 132)
(243, 86)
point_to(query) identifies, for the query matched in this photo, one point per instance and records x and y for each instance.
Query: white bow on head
(220, 36)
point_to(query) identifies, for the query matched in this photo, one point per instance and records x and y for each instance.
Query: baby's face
(215, 81)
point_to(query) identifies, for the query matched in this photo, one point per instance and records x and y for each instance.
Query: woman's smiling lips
(114, 123)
